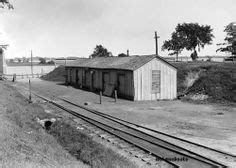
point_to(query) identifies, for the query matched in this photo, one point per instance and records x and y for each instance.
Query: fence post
(115, 95)
(30, 101)
(14, 78)
(100, 96)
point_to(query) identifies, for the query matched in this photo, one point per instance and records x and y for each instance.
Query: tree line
(190, 36)
(5, 3)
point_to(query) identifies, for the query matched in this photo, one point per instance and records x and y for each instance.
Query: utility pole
(156, 40)
(31, 63)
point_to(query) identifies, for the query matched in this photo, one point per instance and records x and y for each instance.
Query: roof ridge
(132, 62)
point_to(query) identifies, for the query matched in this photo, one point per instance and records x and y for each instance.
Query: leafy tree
(230, 40)
(190, 36)
(175, 44)
(4, 3)
(100, 51)
(51, 62)
(19, 60)
(122, 55)
(42, 60)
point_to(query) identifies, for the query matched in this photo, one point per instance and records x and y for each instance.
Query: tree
(230, 40)
(175, 44)
(191, 36)
(4, 3)
(122, 55)
(42, 60)
(51, 62)
(19, 60)
(100, 51)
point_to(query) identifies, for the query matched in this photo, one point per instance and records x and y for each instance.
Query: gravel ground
(210, 125)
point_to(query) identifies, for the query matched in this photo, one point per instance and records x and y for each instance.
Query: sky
(60, 28)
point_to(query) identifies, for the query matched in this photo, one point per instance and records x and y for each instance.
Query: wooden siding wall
(143, 81)
(98, 82)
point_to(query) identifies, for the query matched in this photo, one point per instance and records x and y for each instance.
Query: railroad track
(164, 151)
(143, 128)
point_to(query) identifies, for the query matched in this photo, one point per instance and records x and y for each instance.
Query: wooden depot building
(147, 77)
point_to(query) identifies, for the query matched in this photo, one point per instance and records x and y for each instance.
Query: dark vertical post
(156, 40)
(100, 96)
(115, 95)
(127, 52)
(30, 91)
(31, 63)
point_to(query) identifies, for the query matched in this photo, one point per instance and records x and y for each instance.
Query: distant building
(17, 60)
(200, 58)
(212, 58)
(34, 60)
(181, 58)
(138, 78)
(66, 60)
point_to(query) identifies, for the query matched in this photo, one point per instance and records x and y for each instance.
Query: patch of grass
(84, 148)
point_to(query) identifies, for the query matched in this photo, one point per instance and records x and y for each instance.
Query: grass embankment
(23, 142)
(77, 143)
(57, 75)
(84, 148)
(217, 80)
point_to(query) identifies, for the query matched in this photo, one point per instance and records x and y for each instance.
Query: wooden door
(105, 80)
(67, 76)
(71, 76)
(77, 77)
(92, 87)
(87, 79)
(121, 85)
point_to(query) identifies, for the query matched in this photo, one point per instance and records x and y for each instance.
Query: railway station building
(138, 78)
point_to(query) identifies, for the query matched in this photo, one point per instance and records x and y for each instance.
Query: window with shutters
(156, 81)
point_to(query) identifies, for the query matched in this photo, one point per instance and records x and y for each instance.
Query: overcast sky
(58, 28)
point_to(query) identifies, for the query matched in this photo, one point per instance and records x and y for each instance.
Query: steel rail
(146, 128)
(111, 118)
(91, 121)
(133, 135)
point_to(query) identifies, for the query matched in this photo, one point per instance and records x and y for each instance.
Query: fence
(23, 76)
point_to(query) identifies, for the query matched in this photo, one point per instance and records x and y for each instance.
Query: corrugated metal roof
(125, 63)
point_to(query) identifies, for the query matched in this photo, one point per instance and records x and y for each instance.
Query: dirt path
(22, 143)
(210, 125)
